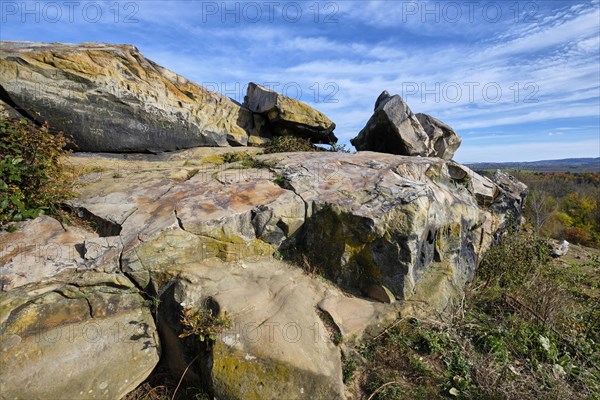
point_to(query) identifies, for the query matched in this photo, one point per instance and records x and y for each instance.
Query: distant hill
(565, 165)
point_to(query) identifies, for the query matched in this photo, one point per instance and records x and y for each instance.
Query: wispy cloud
(536, 65)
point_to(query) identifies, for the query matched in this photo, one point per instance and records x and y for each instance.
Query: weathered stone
(40, 249)
(289, 116)
(56, 311)
(193, 229)
(277, 346)
(383, 219)
(513, 194)
(262, 132)
(394, 129)
(443, 140)
(483, 189)
(110, 98)
(79, 335)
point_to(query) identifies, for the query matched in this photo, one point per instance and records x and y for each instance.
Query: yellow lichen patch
(236, 249)
(434, 291)
(295, 111)
(246, 377)
(54, 310)
(213, 159)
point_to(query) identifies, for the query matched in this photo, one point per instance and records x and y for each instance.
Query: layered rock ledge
(186, 228)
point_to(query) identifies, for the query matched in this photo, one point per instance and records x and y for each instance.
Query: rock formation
(192, 234)
(90, 312)
(110, 98)
(288, 116)
(394, 129)
(443, 140)
(67, 331)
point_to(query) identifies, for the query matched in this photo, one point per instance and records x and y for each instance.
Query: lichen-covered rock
(368, 218)
(277, 345)
(110, 98)
(193, 229)
(442, 139)
(289, 116)
(393, 128)
(76, 335)
(382, 219)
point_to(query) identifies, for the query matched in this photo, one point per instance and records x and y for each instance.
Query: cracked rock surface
(186, 228)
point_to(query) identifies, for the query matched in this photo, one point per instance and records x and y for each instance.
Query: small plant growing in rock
(339, 148)
(348, 369)
(205, 323)
(279, 180)
(233, 157)
(251, 162)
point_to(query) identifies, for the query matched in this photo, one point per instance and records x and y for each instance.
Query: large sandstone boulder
(280, 344)
(188, 228)
(368, 218)
(111, 98)
(289, 116)
(403, 222)
(66, 330)
(394, 129)
(443, 140)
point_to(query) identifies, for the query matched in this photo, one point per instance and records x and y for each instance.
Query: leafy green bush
(516, 257)
(33, 178)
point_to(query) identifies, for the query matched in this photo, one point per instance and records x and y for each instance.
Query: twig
(182, 375)
(379, 388)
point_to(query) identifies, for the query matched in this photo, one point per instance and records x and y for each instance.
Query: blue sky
(518, 80)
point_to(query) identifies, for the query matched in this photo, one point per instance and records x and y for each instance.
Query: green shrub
(246, 160)
(33, 178)
(510, 262)
(287, 144)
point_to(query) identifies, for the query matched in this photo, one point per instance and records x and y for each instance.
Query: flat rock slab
(41, 248)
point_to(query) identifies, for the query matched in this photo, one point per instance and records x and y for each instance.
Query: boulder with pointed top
(394, 129)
